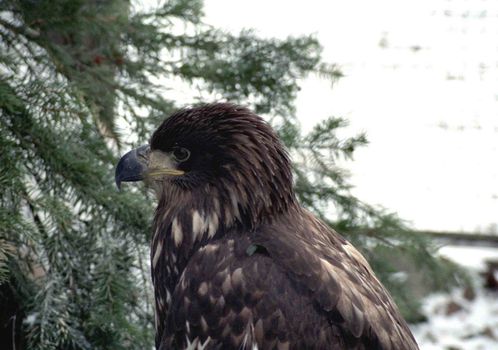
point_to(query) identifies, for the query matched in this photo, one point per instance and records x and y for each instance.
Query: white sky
(430, 115)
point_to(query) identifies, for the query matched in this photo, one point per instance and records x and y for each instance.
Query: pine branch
(27, 32)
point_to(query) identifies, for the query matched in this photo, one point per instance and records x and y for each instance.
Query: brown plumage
(236, 262)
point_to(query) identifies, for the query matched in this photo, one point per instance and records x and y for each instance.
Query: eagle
(236, 261)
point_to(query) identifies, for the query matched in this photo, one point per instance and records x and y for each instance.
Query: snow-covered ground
(457, 323)
(463, 319)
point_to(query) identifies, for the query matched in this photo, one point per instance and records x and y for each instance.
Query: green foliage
(73, 75)
(78, 252)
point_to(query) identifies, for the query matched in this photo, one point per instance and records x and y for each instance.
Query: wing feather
(340, 279)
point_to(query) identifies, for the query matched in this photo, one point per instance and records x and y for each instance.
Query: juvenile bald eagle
(236, 262)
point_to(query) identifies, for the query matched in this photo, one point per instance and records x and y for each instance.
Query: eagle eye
(181, 154)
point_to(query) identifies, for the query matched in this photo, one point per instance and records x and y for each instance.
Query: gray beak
(132, 166)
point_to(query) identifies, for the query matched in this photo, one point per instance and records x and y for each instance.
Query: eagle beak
(132, 166)
(140, 163)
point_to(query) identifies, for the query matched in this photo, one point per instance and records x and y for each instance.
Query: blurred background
(388, 108)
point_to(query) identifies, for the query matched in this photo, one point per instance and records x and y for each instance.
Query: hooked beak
(141, 163)
(132, 166)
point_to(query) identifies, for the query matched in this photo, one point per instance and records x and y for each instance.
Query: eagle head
(218, 156)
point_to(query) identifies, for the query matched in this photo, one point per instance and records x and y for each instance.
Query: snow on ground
(473, 327)
(463, 319)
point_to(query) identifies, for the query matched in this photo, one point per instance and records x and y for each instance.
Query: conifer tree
(73, 75)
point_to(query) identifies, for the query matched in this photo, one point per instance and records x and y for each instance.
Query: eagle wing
(340, 280)
(286, 286)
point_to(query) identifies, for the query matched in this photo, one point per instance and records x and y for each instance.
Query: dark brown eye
(181, 154)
